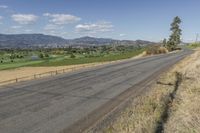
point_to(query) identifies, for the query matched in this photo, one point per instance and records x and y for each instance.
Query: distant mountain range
(30, 40)
(48, 41)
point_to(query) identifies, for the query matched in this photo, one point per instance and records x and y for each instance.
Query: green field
(194, 45)
(111, 57)
(61, 57)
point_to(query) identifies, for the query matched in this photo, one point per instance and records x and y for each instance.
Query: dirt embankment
(172, 105)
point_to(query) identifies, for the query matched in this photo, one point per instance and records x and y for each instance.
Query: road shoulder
(160, 107)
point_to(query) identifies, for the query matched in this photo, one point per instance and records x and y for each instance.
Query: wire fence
(47, 74)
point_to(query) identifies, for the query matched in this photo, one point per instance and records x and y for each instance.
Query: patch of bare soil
(29, 72)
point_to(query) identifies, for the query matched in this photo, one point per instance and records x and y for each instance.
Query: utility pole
(197, 38)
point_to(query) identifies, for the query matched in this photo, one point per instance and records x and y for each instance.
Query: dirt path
(11, 74)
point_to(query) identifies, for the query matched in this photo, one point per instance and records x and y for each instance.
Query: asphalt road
(55, 104)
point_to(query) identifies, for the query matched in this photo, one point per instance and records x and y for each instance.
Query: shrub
(41, 55)
(72, 56)
(153, 50)
(46, 55)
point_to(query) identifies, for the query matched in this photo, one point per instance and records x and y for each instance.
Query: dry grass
(185, 110)
(153, 50)
(144, 115)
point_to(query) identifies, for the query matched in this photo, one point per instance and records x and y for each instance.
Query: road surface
(56, 104)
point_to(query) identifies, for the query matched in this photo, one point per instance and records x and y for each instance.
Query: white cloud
(28, 31)
(3, 6)
(95, 27)
(16, 27)
(1, 19)
(122, 35)
(61, 19)
(24, 18)
(53, 27)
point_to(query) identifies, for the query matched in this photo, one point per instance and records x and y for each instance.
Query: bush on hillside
(153, 50)
(72, 55)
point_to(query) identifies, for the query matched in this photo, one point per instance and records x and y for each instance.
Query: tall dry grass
(185, 110)
(145, 112)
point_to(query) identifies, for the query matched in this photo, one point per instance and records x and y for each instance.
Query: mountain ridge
(42, 40)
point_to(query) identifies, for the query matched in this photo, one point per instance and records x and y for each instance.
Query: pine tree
(175, 37)
(164, 42)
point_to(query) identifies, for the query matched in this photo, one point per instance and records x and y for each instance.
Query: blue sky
(119, 19)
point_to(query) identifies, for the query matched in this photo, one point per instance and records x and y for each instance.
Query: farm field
(16, 65)
(62, 57)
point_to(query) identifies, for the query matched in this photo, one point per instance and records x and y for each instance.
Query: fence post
(35, 76)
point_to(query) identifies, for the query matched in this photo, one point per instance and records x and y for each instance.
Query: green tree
(41, 55)
(46, 55)
(164, 42)
(72, 55)
(175, 37)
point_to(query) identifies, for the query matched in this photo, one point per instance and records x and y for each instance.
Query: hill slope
(30, 40)
(40, 40)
